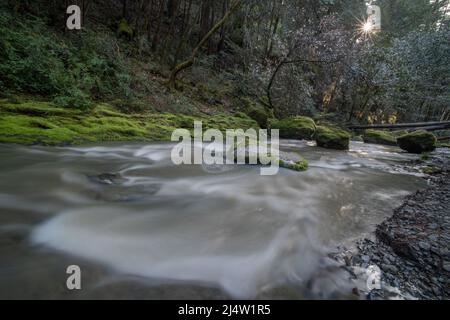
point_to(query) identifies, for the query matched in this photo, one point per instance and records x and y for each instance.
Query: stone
(332, 138)
(418, 142)
(424, 245)
(446, 266)
(379, 137)
(389, 268)
(300, 128)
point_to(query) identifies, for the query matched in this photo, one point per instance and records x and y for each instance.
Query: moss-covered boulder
(332, 138)
(418, 142)
(257, 112)
(379, 137)
(300, 128)
(260, 115)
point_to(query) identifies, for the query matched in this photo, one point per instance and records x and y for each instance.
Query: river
(140, 227)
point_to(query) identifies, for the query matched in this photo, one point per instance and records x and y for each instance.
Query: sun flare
(367, 27)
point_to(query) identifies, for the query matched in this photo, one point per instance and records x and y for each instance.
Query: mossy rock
(301, 165)
(399, 133)
(300, 128)
(260, 115)
(418, 142)
(379, 137)
(332, 138)
(257, 112)
(432, 170)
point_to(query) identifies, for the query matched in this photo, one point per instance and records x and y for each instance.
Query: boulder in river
(332, 138)
(379, 137)
(418, 142)
(300, 128)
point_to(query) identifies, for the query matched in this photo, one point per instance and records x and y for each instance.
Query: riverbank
(30, 122)
(412, 247)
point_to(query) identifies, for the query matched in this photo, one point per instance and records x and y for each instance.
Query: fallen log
(432, 128)
(422, 125)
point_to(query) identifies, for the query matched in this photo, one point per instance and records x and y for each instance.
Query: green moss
(44, 123)
(379, 137)
(399, 133)
(256, 111)
(301, 165)
(125, 29)
(301, 128)
(418, 142)
(425, 156)
(260, 116)
(332, 138)
(443, 145)
(431, 170)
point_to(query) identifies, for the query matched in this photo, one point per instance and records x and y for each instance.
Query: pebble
(446, 266)
(424, 245)
(389, 268)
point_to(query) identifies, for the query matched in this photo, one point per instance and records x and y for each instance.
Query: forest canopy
(292, 57)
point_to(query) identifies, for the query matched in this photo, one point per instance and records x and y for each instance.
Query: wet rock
(424, 245)
(106, 178)
(379, 137)
(446, 266)
(300, 128)
(418, 142)
(413, 245)
(332, 138)
(389, 268)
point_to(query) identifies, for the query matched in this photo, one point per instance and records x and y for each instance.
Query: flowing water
(141, 227)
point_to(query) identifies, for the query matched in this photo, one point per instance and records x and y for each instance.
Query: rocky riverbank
(410, 250)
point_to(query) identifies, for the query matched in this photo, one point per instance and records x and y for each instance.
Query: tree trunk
(189, 62)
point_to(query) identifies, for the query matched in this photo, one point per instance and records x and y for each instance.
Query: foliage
(74, 71)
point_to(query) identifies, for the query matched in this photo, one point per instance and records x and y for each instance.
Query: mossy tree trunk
(189, 62)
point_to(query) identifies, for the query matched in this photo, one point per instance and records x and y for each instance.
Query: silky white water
(181, 229)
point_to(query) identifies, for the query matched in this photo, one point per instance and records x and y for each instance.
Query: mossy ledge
(379, 137)
(41, 122)
(300, 128)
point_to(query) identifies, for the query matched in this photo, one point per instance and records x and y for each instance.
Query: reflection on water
(141, 227)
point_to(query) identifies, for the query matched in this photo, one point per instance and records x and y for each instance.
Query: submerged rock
(358, 139)
(379, 137)
(332, 138)
(106, 178)
(300, 128)
(418, 142)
